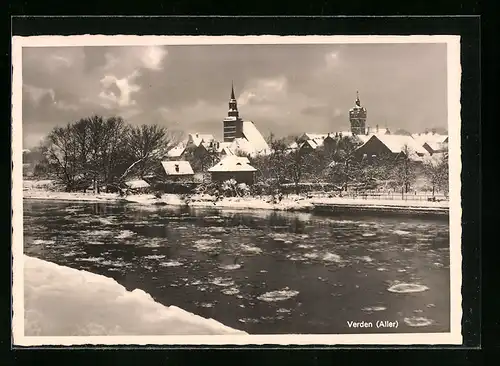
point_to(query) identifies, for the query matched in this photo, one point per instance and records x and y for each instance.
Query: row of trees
(102, 152)
(340, 165)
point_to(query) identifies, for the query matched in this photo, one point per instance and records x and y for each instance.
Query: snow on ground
(62, 301)
(37, 190)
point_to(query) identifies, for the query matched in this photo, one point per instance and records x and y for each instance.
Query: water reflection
(259, 271)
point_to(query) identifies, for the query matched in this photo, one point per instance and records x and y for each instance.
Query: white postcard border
(454, 77)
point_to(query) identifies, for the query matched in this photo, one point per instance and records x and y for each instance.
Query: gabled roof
(176, 151)
(197, 138)
(396, 143)
(177, 167)
(233, 163)
(255, 138)
(430, 138)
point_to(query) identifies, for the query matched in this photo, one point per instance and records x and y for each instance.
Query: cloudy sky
(285, 89)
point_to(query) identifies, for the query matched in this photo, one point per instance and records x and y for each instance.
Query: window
(177, 168)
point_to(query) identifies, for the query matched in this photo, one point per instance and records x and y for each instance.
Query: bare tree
(404, 170)
(437, 172)
(147, 145)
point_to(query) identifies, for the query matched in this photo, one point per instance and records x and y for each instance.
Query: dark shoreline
(346, 209)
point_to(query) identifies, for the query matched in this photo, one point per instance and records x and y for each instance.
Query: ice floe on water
(230, 291)
(368, 234)
(171, 263)
(374, 308)
(99, 233)
(124, 234)
(223, 282)
(43, 242)
(216, 229)
(230, 267)
(401, 232)
(250, 249)
(154, 256)
(105, 220)
(283, 310)
(418, 321)
(278, 295)
(366, 259)
(404, 288)
(206, 244)
(327, 256)
(306, 246)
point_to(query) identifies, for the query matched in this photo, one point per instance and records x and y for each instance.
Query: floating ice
(305, 246)
(206, 244)
(125, 234)
(105, 221)
(99, 232)
(279, 295)
(282, 310)
(43, 242)
(328, 257)
(404, 288)
(418, 321)
(217, 229)
(250, 249)
(224, 282)
(154, 256)
(368, 234)
(366, 258)
(374, 308)
(401, 232)
(230, 291)
(171, 263)
(230, 267)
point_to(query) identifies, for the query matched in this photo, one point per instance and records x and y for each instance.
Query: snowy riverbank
(288, 203)
(62, 301)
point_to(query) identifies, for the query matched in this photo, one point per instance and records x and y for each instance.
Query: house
(177, 170)
(432, 142)
(391, 145)
(233, 167)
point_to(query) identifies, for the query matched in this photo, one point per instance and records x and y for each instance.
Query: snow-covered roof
(233, 163)
(137, 183)
(255, 138)
(430, 138)
(176, 151)
(397, 143)
(197, 138)
(242, 145)
(26, 151)
(177, 167)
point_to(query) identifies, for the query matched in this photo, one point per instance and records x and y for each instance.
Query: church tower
(357, 118)
(233, 125)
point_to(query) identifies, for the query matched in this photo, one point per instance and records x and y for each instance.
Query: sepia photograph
(236, 190)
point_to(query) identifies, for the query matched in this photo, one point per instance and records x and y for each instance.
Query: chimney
(377, 128)
(367, 130)
(196, 135)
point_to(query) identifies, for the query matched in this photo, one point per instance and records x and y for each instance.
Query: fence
(386, 195)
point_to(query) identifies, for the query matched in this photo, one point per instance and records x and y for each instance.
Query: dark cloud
(283, 88)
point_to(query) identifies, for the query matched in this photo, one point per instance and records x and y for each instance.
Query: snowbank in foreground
(62, 301)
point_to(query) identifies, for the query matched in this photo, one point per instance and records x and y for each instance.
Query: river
(259, 271)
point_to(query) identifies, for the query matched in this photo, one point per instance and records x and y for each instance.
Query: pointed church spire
(232, 90)
(233, 104)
